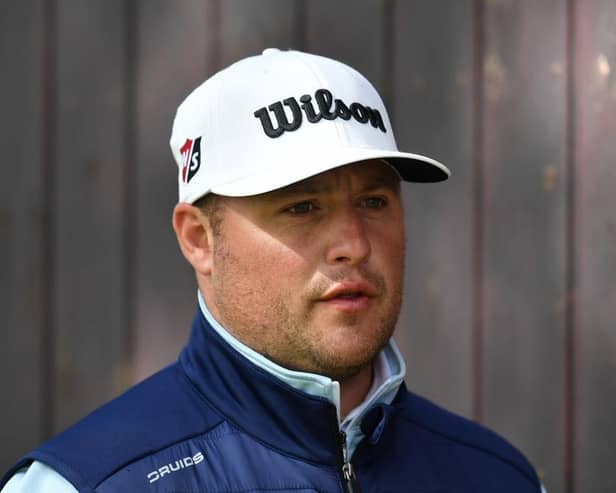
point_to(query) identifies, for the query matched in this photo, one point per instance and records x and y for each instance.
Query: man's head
(290, 209)
(309, 275)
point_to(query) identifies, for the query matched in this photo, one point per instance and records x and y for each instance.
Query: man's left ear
(194, 234)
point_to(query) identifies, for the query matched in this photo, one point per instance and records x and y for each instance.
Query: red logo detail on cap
(191, 158)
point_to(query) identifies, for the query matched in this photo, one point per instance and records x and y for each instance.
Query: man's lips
(349, 289)
(350, 296)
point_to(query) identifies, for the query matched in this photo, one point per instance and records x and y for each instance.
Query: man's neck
(353, 390)
(347, 394)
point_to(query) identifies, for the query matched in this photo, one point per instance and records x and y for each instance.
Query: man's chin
(344, 374)
(347, 363)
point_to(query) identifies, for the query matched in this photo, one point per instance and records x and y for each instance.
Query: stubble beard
(332, 360)
(242, 313)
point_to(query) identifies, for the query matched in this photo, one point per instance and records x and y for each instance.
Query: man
(290, 214)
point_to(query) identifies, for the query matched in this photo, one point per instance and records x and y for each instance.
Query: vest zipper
(351, 485)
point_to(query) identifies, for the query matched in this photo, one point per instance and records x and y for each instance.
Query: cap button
(270, 51)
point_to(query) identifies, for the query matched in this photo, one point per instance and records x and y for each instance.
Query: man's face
(311, 275)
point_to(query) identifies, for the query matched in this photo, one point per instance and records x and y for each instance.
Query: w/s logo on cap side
(328, 109)
(191, 158)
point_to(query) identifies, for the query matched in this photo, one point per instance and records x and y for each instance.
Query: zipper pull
(351, 485)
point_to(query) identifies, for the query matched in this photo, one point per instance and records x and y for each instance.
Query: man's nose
(347, 239)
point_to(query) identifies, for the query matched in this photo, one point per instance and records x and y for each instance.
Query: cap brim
(417, 168)
(411, 167)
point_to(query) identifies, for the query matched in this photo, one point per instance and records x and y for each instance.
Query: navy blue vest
(214, 422)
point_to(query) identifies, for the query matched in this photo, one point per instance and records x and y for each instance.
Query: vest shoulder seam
(405, 414)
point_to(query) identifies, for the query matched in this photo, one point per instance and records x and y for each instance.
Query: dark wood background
(510, 309)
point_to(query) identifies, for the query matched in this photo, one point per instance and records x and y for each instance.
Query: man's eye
(373, 202)
(302, 208)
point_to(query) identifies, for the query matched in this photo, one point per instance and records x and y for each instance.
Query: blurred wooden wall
(510, 309)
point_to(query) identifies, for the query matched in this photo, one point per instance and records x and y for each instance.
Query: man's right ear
(194, 234)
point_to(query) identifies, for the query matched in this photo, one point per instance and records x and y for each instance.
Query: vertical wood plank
(432, 75)
(595, 250)
(333, 29)
(173, 58)
(248, 27)
(21, 230)
(89, 294)
(525, 228)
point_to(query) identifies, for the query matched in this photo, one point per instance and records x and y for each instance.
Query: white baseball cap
(280, 117)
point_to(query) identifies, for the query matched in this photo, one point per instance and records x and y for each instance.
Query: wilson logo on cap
(191, 158)
(329, 108)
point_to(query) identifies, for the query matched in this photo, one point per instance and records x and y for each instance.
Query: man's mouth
(350, 296)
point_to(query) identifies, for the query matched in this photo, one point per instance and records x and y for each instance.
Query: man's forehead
(365, 175)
